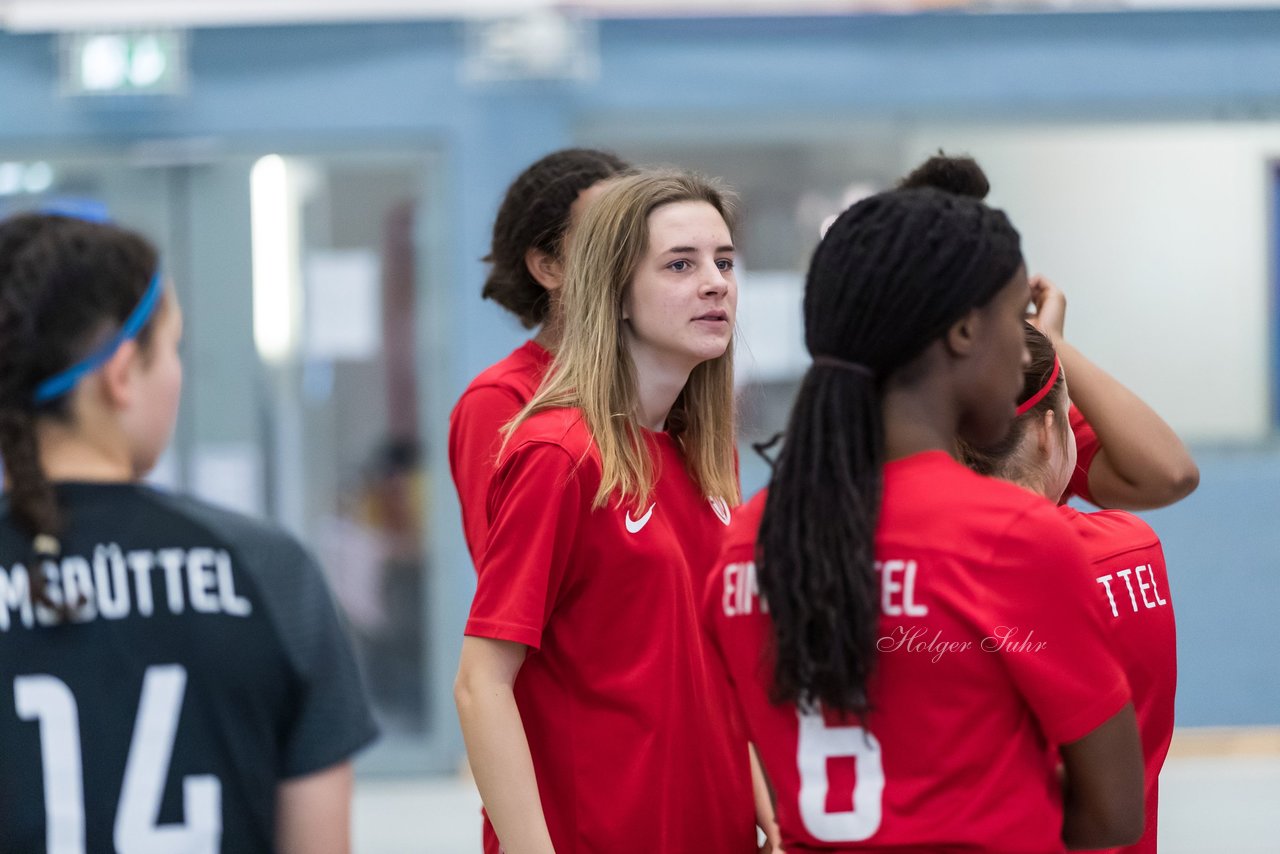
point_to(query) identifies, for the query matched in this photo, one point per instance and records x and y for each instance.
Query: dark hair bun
(960, 176)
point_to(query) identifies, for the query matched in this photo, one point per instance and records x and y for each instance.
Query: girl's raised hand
(1050, 308)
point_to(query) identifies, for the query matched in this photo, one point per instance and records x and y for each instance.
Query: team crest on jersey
(721, 507)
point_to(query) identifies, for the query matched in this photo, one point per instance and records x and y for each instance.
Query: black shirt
(204, 664)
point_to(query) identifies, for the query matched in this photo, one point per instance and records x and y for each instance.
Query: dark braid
(31, 498)
(960, 176)
(964, 177)
(534, 215)
(64, 286)
(892, 274)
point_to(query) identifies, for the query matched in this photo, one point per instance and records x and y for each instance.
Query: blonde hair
(593, 370)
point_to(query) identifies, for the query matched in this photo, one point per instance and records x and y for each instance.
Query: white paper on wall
(343, 299)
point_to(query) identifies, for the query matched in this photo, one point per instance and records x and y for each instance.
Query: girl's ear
(962, 334)
(545, 268)
(117, 375)
(1045, 431)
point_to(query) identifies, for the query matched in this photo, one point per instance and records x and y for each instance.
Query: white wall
(1160, 237)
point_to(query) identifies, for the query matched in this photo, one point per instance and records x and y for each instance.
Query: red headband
(1030, 403)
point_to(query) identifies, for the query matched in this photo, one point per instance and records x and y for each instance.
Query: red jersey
(991, 654)
(630, 734)
(1132, 594)
(489, 403)
(1087, 447)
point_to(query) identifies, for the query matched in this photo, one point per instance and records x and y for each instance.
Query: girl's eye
(679, 266)
(725, 264)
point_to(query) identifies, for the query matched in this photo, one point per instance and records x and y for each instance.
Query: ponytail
(821, 511)
(890, 277)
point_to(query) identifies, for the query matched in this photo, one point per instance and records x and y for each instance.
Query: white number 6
(818, 743)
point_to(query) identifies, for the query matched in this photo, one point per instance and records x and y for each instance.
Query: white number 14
(49, 701)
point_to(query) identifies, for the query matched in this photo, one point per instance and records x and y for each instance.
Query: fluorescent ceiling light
(10, 178)
(275, 260)
(38, 178)
(104, 63)
(148, 63)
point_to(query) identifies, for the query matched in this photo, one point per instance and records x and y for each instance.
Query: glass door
(302, 289)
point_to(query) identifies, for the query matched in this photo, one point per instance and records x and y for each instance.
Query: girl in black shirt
(172, 676)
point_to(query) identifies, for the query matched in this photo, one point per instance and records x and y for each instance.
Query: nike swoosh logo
(634, 525)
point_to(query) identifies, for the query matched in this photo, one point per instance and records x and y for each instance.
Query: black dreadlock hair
(892, 274)
(63, 284)
(534, 215)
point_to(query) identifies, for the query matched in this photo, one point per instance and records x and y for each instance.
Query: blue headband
(61, 383)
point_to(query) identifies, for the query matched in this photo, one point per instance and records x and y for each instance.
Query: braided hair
(964, 177)
(893, 274)
(535, 215)
(65, 285)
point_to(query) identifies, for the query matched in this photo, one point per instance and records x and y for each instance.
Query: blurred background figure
(374, 554)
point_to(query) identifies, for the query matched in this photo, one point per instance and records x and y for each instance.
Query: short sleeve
(330, 719)
(1046, 629)
(715, 628)
(1087, 447)
(475, 438)
(535, 503)
(712, 596)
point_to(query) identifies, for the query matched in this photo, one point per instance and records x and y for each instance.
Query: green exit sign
(139, 62)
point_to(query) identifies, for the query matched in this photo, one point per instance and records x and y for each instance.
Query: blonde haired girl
(597, 367)
(591, 718)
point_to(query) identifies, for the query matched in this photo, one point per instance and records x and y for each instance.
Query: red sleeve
(710, 629)
(1087, 447)
(474, 441)
(1046, 628)
(535, 501)
(714, 625)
